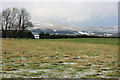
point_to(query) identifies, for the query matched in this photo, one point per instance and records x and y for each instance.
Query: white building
(36, 36)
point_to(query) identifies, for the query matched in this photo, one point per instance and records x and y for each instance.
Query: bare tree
(14, 22)
(24, 18)
(1, 23)
(6, 17)
(14, 18)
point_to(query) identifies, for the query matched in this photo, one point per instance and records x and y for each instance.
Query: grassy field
(60, 58)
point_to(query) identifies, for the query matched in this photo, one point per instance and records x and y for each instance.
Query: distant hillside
(52, 28)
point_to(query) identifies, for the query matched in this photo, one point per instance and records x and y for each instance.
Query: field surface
(60, 58)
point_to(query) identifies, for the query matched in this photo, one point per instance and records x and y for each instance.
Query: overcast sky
(72, 13)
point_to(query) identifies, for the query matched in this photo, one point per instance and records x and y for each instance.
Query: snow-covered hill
(53, 28)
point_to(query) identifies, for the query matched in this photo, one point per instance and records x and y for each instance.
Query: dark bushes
(17, 34)
(59, 36)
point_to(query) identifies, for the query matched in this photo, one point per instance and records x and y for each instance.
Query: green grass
(113, 41)
(61, 57)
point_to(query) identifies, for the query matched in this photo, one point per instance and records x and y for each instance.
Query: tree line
(59, 36)
(15, 22)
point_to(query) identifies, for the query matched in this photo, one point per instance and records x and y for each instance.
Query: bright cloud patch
(70, 12)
